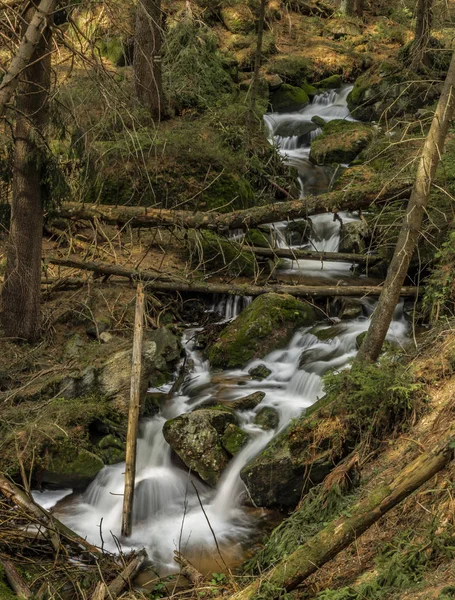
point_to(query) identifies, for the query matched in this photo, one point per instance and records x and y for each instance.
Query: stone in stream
(247, 402)
(71, 468)
(340, 142)
(266, 324)
(298, 233)
(312, 355)
(234, 439)
(260, 372)
(267, 418)
(354, 236)
(197, 438)
(288, 98)
(351, 308)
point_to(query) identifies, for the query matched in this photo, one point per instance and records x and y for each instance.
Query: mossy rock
(72, 467)
(329, 83)
(260, 372)
(266, 324)
(354, 237)
(293, 70)
(288, 98)
(298, 233)
(197, 438)
(229, 192)
(247, 402)
(389, 89)
(257, 238)
(238, 18)
(267, 418)
(234, 439)
(215, 253)
(340, 142)
(111, 449)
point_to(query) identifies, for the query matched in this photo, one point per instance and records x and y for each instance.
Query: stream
(173, 509)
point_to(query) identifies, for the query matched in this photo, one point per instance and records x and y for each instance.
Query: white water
(167, 511)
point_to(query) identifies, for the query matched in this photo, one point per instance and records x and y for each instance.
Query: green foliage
(193, 74)
(439, 298)
(158, 591)
(218, 579)
(377, 399)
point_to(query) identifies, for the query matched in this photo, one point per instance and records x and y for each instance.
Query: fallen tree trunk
(296, 254)
(188, 570)
(116, 587)
(201, 287)
(241, 219)
(15, 580)
(27, 47)
(337, 535)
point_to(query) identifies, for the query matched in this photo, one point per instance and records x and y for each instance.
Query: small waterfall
(229, 306)
(326, 98)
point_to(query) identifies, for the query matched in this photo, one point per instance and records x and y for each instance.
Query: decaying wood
(116, 587)
(25, 51)
(133, 414)
(54, 528)
(337, 535)
(100, 591)
(241, 219)
(188, 570)
(15, 580)
(297, 254)
(200, 287)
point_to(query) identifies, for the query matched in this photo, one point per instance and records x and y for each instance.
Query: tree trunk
(352, 199)
(347, 7)
(21, 289)
(358, 8)
(133, 414)
(424, 20)
(15, 580)
(27, 47)
(126, 577)
(410, 229)
(199, 287)
(337, 535)
(148, 40)
(257, 66)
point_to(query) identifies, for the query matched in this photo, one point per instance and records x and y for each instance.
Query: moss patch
(340, 142)
(72, 467)
(213, 253)
(288, 98)
(234, 439)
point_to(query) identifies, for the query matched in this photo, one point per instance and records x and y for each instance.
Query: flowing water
(172, 508)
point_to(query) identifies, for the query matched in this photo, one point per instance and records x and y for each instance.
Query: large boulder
(292, 69)
(340, 142)
(288, 98)
(389, 89)
(298, 458)
(266, 324)
(354, 236)
(197, 438)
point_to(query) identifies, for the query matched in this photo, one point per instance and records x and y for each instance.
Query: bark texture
(424, 21)
(148, 40)
(337, 535)
(412, 222)
(21, 290)
(257, 65)
(347, 7)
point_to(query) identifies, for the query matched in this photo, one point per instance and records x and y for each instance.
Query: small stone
(319, 121)
(247, 402)
(106, 337)
(260, 372)
(267, 418)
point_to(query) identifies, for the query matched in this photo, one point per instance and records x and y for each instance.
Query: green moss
(114, 50)
(257, 238)
(214, 253)
(288, 97)
(330, 83)
(234, 439)
(340, 142)
(238, 18)
(6, 593)
(229, 192)
(268, 323)
(291, 69)
(72, 467)
(311, 90)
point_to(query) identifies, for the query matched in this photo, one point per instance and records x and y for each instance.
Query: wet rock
(197, 438)
(327, 333)
(354, 237)
(247, 402)
(311, 355)
(234, 439)
(298, 458)
(260, 372)
(351, 308)
(257, 238)
(390, 89)
(288, 98)
(340, 142)
(266, 324)
(273, 80)
(111, 449)
(267, 418)
(298, 233)
(72, 467)
(319, 121)
(330, 83)
(289, 128)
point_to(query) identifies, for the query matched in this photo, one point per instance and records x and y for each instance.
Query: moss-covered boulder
(350, 308)
(391, 90)
(340, 142)
(111, 449)
(238, 18)
(260, 372)
(354, 236)
(256, 237)
(293, 70)
(288, 98)
(266, 324)
(71, 467)
(247, 402)
(297, 459)
(197, 438)
(329, 83)
(234, 439)
(214, 253)
(267, 418)
(228, 192)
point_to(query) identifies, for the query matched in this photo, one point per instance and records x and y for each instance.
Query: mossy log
(15, 580)
(351, 199)
(337, 535)
(200, 287)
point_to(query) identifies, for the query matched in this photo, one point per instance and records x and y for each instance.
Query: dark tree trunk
(410, 229)
(148, 40)
(347, 7)
(424, 20)
(257, 65)
(358, 8)
(21, 290)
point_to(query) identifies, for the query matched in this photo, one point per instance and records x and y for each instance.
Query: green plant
(218, 579)
(158, 591)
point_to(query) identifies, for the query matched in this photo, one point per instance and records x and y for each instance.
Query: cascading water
(167, 507)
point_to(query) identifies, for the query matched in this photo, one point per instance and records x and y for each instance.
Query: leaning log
(27, 47)
(126, 577)
(188, 570)
(297, 254)
(17, 583)
(244, 289)
(351, 199)
(337, 535)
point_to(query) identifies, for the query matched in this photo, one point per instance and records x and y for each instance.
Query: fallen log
(15, 580)
(201, 287)
(124, 579)
(188, 570)
(297, 254)
(337, 535)
(355, 199)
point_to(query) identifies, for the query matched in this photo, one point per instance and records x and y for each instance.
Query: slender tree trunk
(424, 20)
(21, 290)
(347, 7)
(257, 66)
(410, 229)
(148, 40)
(358, 8)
